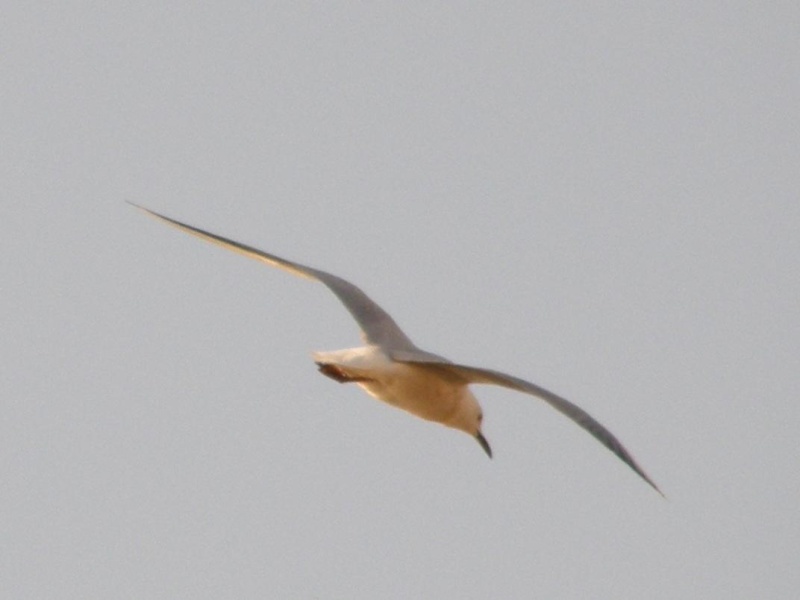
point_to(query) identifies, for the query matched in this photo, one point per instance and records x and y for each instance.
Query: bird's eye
(480, 417)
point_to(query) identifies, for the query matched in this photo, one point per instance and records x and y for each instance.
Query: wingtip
(647, 479)
(656, 488)
(139, 207)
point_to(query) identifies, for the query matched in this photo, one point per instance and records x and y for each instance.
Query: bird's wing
(478, 375)
(377, 326)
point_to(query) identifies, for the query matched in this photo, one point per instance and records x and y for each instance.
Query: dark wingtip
(133, 204)
(628, 459)
(656, 488)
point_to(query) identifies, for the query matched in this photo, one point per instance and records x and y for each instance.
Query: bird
(391, 368)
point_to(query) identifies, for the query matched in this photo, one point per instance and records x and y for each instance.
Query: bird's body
(417, 389)
(391, 368)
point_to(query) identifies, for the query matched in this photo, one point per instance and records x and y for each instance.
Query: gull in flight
(391, 368)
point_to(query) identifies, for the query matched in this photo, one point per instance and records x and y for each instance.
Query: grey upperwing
(377, 326)
(577, 414)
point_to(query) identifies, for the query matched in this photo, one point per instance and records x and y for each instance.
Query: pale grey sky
(603, 200)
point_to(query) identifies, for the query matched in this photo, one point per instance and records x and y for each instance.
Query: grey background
(602, 199)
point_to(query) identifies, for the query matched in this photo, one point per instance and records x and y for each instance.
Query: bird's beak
(484, 444)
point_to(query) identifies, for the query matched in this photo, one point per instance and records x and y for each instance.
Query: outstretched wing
(577, 414)
(377, 326)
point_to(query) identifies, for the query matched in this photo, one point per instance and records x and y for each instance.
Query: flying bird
(391, 368)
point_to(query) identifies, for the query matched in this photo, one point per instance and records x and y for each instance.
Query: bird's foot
(337, 374)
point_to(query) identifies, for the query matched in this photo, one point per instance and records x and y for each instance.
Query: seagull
(391, 368)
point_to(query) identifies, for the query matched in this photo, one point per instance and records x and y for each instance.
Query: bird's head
(469, 419)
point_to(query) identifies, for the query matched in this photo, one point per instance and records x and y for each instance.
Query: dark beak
(484, 444)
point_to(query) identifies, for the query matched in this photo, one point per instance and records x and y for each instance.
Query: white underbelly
(415, 389)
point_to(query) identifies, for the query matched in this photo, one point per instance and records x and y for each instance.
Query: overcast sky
(603, 200)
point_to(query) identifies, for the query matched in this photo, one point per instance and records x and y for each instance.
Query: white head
(469, 419)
